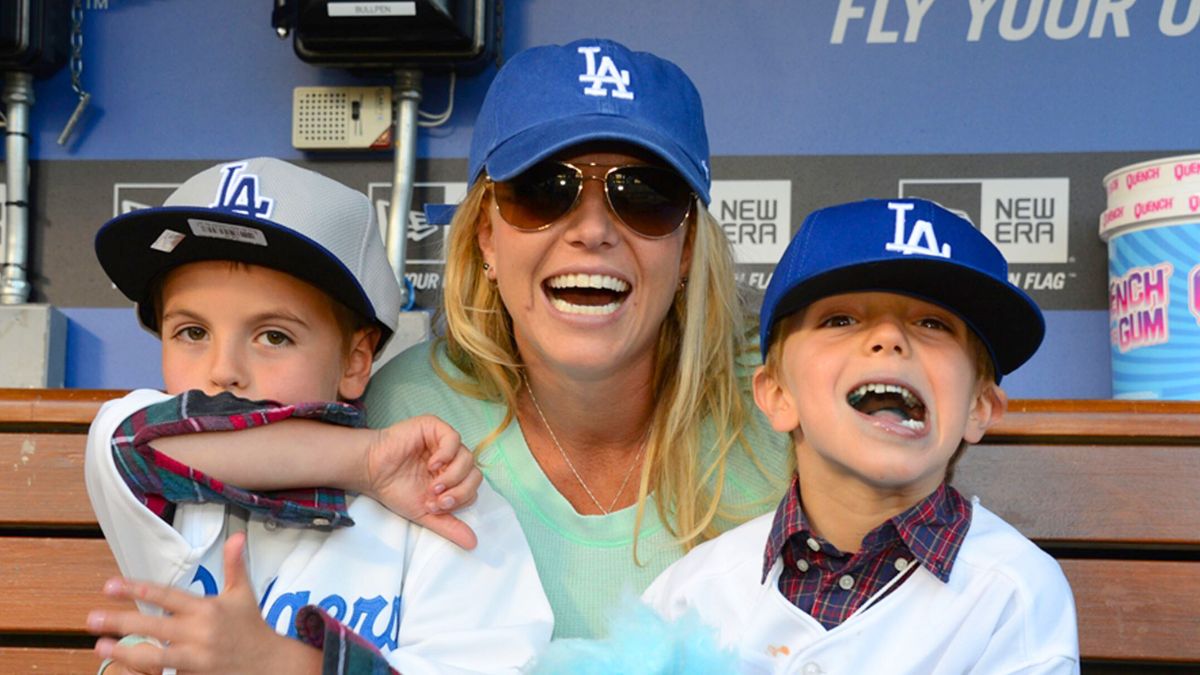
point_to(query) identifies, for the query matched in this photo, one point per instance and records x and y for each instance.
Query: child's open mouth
(594, 294)
(889, 401)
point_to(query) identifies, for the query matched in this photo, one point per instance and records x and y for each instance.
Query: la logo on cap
(922, 238)
(241, 196)
(606, 73)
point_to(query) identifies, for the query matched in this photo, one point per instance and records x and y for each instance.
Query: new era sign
(756, 216)
(1028, 219)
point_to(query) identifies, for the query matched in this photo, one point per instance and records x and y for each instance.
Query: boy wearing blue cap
(885, 331)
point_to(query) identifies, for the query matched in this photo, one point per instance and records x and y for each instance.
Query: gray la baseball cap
(261, 211)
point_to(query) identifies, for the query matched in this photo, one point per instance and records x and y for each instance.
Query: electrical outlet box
(342, 118)
(394, 33)
(34, 35)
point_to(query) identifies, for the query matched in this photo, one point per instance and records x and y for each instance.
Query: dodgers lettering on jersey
(922, 238)
(606, 73)
(239, 192)
(376, 618)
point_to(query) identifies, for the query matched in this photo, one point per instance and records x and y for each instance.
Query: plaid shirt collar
(933, 529)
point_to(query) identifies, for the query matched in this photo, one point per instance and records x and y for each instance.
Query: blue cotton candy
(641, 642)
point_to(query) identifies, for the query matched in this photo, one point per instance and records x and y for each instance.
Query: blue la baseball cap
(552, 97)
(909, 246)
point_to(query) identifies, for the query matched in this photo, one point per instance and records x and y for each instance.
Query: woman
(594, 350)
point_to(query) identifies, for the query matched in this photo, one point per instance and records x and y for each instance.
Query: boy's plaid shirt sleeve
(344, 652)
(160, 482)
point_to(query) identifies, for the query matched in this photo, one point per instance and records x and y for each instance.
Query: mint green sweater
(585, 562)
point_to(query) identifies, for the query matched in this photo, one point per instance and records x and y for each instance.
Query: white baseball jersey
(1007, 608)
(429, 606)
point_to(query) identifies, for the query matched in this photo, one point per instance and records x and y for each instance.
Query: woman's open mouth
(590, 294)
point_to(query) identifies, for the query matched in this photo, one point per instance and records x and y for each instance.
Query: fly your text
(890, 21)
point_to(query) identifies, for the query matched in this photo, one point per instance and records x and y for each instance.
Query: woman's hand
(221, 634)
(420, 470)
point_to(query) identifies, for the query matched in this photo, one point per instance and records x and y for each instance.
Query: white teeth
(915, 425)
(910, 399)
(602, 281)
(597, 281)
(571, 308)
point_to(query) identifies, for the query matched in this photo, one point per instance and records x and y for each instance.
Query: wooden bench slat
(1140, 421)
(52, 406)
(1113, 494)
(1025, 417)
(49, 585)
(1137, 610)
(43, 661)
(41, 481)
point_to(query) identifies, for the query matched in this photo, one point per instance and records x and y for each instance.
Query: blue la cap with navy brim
(909, 246)
(549, 98)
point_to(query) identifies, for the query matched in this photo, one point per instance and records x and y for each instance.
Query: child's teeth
(915, 425)
(910, 399)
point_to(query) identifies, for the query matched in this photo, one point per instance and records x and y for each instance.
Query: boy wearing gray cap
(885, 331)
(271, 292)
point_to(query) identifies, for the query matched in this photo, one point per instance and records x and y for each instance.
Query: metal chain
(77, 47)
(76, 71)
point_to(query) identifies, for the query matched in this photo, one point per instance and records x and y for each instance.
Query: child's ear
(990, 404)
(775, 401)
(358, 363)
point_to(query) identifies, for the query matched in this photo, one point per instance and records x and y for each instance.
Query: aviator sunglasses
(650, 200)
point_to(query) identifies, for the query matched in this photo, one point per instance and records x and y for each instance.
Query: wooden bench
(53, 559)
(1110, 488)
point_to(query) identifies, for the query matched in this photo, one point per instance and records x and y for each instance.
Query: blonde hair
(697, 381)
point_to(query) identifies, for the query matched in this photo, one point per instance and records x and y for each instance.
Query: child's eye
(274, 338)
(935, 324)
(838, 321)
(191, 333)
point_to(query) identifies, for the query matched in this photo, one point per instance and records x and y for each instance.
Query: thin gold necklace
(628, 472)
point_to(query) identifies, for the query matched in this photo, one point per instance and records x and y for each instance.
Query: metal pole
(18, 97)
(407, 98)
